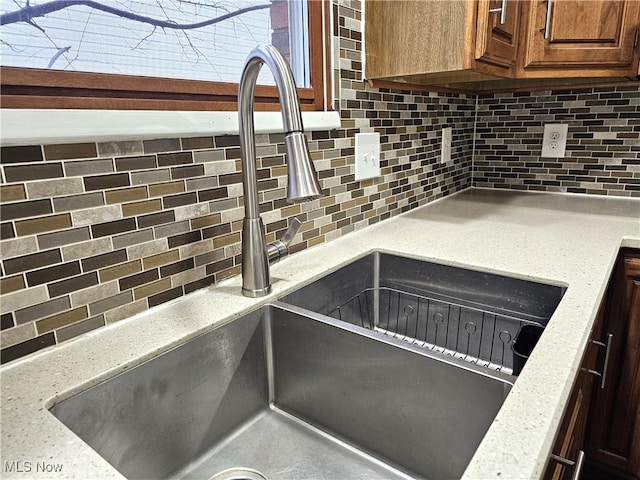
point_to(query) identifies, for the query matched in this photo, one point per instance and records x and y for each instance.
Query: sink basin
(285, 393)
(459, 312)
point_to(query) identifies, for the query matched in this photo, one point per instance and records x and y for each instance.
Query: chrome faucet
(302, 183)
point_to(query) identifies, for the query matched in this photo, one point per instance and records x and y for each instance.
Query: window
(162, 54)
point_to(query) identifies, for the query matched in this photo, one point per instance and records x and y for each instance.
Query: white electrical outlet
(367, 155)
(445, 151)
(554, 140)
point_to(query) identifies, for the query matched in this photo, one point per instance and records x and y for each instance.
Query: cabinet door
(497, 42)
(614, 436)
(584, 38)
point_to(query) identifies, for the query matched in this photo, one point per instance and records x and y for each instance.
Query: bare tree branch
(61, 51)
(29, 12)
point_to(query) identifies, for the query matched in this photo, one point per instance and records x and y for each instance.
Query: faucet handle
(280, 248)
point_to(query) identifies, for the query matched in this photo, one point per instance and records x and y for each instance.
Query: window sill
(42, 127)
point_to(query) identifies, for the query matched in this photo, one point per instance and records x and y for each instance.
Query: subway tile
(153, 176)
(168, 188)
(93, 294)
(85, 249)
(78, 202)
(12, 211)
(104, 260)
(42, 310)
(205, 221)
(54, 188)
(102, 182)
(126, 147)
(11, 284)
(25, 348)
(21, 154)
(85, 168)
(147, 249)
(153, 219)
(161, 145)
(43, 224)
(202, 183)
(198, 284)
(187, 212)
(93, 216)
(125, 311)
(23, 173)
(110, 303)
(165, 296)
(7, 321)
(119, 271)
(12, 193)
(64, 237)
(139, 279)
(61, 320)
(79, 328)
(187, 172)
(73, 284)
(177, 267)
(227, 141)
(146, 162)
(196, 249)
(160, 259)
(212, 194)
(134, 238)
(168, 159)
(152, 288)
(112, 228)
(49, 274)
(126, 194)
(196, 143)
(32, 261)
(23, 299)
(183, 239)
(140, 208)
(178, 200)
(70, 150)
(206, 156)
(17, 247)
(172, 229)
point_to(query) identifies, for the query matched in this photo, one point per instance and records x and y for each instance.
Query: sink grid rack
(472, 333)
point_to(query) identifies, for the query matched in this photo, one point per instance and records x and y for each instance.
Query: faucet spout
(302, 182)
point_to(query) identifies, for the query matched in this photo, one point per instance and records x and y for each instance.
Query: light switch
(554, 140)
(447, 138)
(367, 155)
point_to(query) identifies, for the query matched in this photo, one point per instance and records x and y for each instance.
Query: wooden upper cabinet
(424, 41)
(453, 42)
(497, 32)
(583, 38)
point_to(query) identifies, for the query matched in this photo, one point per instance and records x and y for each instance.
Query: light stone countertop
(565, 239)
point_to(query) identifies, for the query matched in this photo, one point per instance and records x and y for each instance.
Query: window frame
(30, 88)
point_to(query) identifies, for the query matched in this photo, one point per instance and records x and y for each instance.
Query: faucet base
(256, 293)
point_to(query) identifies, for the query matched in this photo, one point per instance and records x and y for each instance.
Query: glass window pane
(186, 39)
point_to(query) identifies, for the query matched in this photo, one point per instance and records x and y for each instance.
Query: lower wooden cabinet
(613, 438)
(601, 425)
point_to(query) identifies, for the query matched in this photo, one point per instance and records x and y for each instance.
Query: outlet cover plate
(367, 155)
(554, 140)
(445, 151)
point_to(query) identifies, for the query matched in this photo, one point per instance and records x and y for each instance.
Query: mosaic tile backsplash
(94, 233)
(603, 143)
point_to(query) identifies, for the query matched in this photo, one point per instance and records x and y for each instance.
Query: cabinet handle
(607, 350)
(502, 11)
(547, 23)
(577, 465)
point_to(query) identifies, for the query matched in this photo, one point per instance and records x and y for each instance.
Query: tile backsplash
(94, 233)
(603, 144)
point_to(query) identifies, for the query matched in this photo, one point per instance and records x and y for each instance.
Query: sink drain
(239, 474)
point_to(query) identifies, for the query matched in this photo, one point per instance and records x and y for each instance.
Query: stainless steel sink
(459, 312)
(284, 393)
